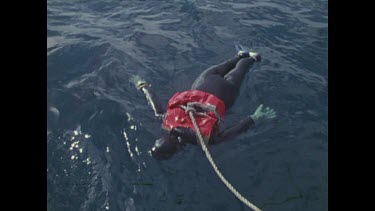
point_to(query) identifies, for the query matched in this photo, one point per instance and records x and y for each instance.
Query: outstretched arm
(259, 116)
(152, 99)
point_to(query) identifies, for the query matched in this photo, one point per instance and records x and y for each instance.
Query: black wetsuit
(223, 81)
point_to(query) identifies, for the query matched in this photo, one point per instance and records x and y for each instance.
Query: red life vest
(176, 116)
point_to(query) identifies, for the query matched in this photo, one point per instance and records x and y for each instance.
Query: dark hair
(168, 145)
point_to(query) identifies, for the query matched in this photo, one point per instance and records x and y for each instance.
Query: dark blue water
(100, 127)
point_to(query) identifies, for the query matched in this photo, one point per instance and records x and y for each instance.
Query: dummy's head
(166, 146)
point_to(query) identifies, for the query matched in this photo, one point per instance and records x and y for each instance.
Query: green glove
(263, 114)
(138, 82)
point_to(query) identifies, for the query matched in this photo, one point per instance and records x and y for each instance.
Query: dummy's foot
(245, 54)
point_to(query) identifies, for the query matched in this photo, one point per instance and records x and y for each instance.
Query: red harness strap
(176, 116)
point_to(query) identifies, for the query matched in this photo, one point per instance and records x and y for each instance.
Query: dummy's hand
(138, 82)
(263, 113)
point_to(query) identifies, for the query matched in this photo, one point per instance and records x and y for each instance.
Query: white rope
(191, 110)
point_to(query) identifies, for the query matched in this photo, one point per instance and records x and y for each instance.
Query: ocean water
(100, 128)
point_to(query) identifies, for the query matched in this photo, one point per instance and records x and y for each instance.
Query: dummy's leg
(236, 75)
(223, 68)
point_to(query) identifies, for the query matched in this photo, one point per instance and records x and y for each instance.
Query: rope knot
(189, 108)
(193, 106)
